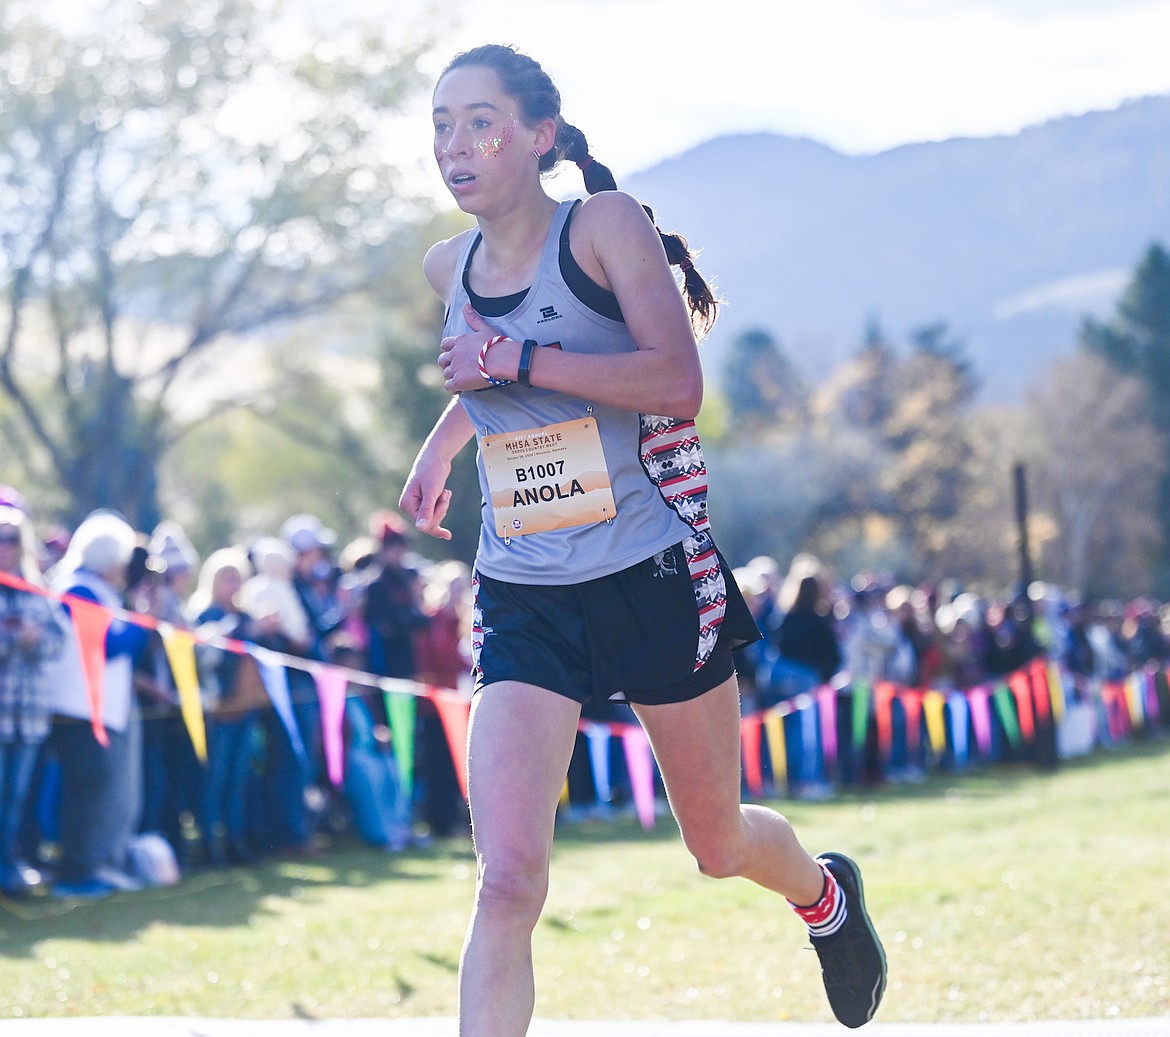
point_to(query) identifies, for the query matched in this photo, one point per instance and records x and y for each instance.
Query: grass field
(1000, 895)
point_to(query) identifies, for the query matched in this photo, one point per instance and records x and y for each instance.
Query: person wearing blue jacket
(101, 785)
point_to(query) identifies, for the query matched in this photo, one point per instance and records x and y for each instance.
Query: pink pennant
(640, 766)
(827, 703)
(331, 689)
(981, 718)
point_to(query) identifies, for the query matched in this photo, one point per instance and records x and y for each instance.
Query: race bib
(547, 478)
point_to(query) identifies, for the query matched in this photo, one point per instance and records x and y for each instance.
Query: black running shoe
(853, 962)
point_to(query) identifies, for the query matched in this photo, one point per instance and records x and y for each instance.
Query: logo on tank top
(548, 313)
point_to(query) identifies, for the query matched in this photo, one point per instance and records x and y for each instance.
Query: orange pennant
(91, 622)
(1022, 691)
(912, 700)
(749, 732)
(454, 712)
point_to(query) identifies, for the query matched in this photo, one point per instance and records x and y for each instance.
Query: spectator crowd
(821, 630)
(87, 809)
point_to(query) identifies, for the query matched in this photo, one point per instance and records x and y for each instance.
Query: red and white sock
(827, 915)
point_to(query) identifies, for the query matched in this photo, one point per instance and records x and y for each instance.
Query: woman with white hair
(214, 609)
(101, 786)
(29, 637)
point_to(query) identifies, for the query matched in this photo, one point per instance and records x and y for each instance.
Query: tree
(928, 431)
(1137, 343)
(913, 410)
(789, 493)
(172, 183)
(861, 390)
(1097, 475)
(761, 386)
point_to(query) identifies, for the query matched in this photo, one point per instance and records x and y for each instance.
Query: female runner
(572, 360)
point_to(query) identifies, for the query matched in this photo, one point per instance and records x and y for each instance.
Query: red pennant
(1022, 691)
(454, 712)
(749, 733)
(912, 700)
(883, 697)
(91, 622)
(1116, 709)
(1041, 695)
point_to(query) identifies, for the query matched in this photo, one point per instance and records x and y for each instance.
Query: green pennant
(400, 710)
(861, 696)
(1006, 706)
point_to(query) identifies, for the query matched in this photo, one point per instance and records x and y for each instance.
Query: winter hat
(170, 548)
(306, 532)
(102, 544)
(11, 497)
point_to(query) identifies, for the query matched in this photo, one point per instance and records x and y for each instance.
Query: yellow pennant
(777, 750)
(1056, 691)
(180, 646)
(1135, 690)
(933, 704)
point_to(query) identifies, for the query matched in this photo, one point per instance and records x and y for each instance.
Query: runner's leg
(520, 742)
(697, 746)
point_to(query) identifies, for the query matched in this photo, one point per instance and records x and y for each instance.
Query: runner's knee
(718, 855)
(513, 885)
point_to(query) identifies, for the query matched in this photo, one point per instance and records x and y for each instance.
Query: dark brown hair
(524, 79)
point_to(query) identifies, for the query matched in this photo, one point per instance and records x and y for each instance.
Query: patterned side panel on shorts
(476, 627)
(673, 459)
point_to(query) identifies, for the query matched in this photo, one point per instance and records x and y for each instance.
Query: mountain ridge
(1010, 239)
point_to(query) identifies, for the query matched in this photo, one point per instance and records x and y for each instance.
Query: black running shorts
(635, 632)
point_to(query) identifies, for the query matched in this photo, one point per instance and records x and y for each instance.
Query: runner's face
(480, 142)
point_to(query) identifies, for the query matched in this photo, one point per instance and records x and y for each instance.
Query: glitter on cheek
(491, 147)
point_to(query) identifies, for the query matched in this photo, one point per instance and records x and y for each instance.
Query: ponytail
(701, 301)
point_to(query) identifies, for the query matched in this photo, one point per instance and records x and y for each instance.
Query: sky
(648, 79)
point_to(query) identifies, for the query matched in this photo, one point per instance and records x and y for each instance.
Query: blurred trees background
(202, 227)
(220, 318)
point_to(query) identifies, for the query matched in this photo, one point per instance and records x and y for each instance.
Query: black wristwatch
(523, 375)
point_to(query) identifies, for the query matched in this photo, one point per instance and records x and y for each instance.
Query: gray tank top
(644, 523)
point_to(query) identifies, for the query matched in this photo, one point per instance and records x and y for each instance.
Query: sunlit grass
(1005, 895)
